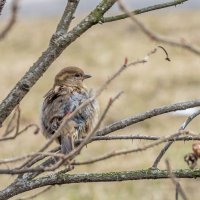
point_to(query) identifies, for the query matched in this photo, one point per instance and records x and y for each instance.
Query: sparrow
(68, 93)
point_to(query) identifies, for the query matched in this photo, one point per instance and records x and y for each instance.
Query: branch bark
(11, 22)
(62, 178)
(2, 3)
(60, 40)
(143, 10)
(57, 45)
(147, 115)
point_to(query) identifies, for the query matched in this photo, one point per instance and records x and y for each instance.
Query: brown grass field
(101, 51)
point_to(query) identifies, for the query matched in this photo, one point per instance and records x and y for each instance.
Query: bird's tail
(67, 144)
(67, 135)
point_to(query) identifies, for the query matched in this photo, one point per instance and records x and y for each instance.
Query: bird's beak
(85, 76)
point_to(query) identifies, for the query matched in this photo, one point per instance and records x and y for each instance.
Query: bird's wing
(57, 104)
(53, 94)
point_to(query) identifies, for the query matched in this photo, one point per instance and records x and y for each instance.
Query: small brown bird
(67, 94)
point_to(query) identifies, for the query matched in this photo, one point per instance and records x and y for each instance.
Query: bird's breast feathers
(61, 101)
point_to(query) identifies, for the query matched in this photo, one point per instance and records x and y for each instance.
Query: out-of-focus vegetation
(100, 52)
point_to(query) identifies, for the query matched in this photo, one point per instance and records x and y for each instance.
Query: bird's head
(71, 76)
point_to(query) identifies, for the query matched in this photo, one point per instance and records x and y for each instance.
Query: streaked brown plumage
(67, 94)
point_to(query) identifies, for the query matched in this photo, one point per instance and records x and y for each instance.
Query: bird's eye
(77, 75)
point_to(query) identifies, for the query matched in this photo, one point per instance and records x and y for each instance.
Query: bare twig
(161, 154)
(11, 124)
(12, 20)
(143, 10)
(86, 140)
(98, 138)
(46, 167)
(57, 45)
(2, 3)
(37, 129)
(20, 158)
(189, 119)
(132, 150)
(154, 36)
(140, 137)
(175, 182)
(41, 157)
(98, 93)
(147, 115)
(169, 143)
(176, 192)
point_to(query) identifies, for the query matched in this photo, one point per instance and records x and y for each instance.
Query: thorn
(36, 131)
(167, 56)
(125, 61)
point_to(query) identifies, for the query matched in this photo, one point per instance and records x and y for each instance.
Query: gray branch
(143, 10)
(62, 178)
(2, 3)
(147, 115)
(59, 41)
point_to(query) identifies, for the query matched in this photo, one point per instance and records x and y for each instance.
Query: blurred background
(49, 8)
(100, 52)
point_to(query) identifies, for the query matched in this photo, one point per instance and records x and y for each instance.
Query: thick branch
(59, 41)
(61, 178)
(146, 115)
(56, 47)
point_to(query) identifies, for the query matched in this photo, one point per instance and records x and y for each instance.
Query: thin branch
(41, 157)
(11, 124)
(45, 166)
(20, 158)
(175, 182)
(177, 192)
(62, 178)
(161, 154)
(147, 115)
(139, 137)
(86, 140)
(88, 101)
(67, 17)
(154, 36)
(11, 22)
(2, 3)
(37, 129)
(132, 150)
(189, 119)
(168, 144)
(57, 45)
(98, 138)
(42, 168)
(143, 10)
